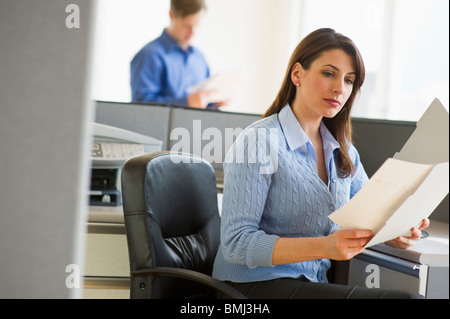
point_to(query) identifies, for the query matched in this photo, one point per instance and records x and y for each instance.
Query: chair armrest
(193, 276)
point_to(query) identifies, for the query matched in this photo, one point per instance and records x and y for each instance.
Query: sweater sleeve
(248, 168)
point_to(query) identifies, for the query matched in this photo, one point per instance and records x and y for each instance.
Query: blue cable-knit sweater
(271, 190)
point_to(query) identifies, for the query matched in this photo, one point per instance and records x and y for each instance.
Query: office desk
(423, 268)
(107, 271)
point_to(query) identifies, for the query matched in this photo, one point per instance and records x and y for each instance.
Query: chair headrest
(181, 193)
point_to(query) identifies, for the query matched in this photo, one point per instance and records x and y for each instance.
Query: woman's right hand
(344, 244)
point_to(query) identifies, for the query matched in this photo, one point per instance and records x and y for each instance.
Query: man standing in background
(165, 68)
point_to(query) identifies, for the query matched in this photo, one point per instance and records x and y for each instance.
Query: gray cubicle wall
(210, 131)
(164, 121)
(45, 109)
(375, 139)
(146, 119)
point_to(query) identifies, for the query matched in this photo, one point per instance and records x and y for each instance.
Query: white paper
(397, 197)
(432, 128)
(220, 87)
(418, 206)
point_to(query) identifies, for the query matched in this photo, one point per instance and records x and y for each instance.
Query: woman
(287, 172)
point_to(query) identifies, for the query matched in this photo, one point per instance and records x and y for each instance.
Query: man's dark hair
(184, 8)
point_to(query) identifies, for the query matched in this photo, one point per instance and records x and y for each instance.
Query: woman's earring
(297, 84)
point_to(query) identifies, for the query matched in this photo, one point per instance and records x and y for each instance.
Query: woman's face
(326, 86)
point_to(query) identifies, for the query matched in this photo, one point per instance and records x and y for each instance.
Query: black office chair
(173, 227)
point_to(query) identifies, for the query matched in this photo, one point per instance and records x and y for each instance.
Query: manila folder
(397, 197)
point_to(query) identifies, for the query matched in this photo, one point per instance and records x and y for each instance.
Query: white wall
(258, 37)
(122, 28)
(255, 36)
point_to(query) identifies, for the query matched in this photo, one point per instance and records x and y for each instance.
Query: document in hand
(221, 87)
(397, 197)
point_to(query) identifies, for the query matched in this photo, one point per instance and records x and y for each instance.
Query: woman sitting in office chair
(287, 172)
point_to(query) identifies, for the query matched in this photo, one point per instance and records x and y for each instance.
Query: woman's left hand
(403, 242)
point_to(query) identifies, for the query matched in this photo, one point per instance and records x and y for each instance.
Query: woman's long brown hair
(309, 49)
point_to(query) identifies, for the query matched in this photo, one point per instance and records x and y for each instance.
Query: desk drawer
(370, 269)
(106, 255)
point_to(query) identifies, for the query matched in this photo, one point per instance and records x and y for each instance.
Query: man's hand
(198, 99)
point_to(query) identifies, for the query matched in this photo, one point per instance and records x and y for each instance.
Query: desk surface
(432, 250)
(106, 214)
(114, 214)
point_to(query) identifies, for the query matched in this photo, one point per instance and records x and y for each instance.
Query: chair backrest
(171, 218)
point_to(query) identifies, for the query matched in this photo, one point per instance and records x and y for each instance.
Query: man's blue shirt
(162, 71)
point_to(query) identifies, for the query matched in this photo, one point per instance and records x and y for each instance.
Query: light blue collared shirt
(162, 71)
(272, 189)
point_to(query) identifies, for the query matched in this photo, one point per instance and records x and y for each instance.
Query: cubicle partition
(377, 140)
(45, 111)
(146, 119)
(193, 130)
(180, 128)
(208, 133)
